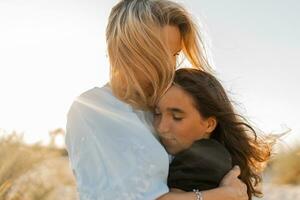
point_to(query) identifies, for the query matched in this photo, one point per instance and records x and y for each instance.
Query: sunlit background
(51, 51)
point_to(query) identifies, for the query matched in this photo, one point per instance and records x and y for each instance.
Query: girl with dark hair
(199, 126)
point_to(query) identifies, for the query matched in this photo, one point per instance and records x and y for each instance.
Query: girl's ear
(211, 124)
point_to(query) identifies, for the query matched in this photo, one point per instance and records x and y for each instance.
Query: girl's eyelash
(177, 118)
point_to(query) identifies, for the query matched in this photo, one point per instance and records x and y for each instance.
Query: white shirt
(113, 150)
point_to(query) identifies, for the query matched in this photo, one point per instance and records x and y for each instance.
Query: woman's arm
(231, 188)
(86, 161)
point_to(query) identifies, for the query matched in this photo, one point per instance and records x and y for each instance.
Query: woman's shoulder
(203, 165)
(205, 150)
(211, 145)
(96, 96)
(98, 99)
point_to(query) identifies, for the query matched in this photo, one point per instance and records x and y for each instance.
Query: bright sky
(51, 51)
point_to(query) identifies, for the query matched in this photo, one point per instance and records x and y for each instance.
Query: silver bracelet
(198, 194)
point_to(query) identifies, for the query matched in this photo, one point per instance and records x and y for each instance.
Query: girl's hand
(235, 187)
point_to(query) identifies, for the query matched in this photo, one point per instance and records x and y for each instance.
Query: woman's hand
(233, 185)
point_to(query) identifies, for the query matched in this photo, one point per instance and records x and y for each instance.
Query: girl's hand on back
(234, 185)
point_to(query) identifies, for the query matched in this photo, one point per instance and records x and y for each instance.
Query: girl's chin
(168, 143)
(170, 146)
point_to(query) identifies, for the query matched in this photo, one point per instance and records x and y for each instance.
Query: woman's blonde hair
(141, 69)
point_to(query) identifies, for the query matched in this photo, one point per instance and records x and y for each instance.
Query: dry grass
(285, 167)
(33, 171)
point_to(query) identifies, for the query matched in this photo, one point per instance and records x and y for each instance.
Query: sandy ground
(278, 192)
(282, 192)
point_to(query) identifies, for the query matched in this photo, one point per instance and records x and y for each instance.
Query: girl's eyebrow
(177, 110)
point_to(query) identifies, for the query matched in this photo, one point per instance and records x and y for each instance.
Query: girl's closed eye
(177, 118)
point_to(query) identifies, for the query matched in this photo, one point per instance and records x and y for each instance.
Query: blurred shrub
(286, 167)
(33, 172)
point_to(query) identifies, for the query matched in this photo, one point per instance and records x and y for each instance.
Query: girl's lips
(166, 137)
(168, 141)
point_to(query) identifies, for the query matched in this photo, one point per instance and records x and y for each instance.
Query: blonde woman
(113, 148)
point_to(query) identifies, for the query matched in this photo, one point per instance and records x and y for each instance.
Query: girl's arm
(231, 188)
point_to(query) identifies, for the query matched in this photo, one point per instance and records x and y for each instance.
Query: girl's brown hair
(248, 150)
(141, 68)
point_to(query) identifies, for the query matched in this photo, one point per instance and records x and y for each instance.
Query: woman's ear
(211, 124)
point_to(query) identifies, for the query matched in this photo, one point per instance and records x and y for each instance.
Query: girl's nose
(163, 127)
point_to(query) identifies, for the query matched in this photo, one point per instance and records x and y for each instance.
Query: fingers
(244, 186)
(236, 171)
(233, 173)
(231, 177)
(243, 190)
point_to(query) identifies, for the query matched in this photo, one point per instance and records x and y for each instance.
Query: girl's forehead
(175, 97)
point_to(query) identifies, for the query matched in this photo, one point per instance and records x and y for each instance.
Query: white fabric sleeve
(86, 162)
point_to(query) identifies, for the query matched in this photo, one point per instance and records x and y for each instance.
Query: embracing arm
(231, 188)
(83, 155)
